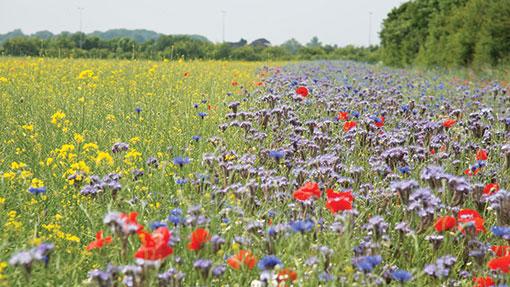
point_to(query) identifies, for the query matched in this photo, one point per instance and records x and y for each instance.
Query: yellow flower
(85, 74)
(133, 154)
(36, 183)
(26, 174)
(110, 118)
(9, 175)
(134, 140)
(72, 238)
(56, 117)
(17, 165)
(2, 200)
(78, 138)
(36, 241)
(104, 157)
(230, 157)
(28, 127)
(89, 146)
(3, 80)
(79, 166)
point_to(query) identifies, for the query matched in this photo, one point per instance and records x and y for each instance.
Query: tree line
(448, 33)
(80, 45)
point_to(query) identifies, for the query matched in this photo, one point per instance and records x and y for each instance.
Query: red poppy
(349, 125)
(491, 188)
(343, 116)
(131, 220)
(469, 215)
(100, 241)
(481, 154)
(432, 151)
(234, 83)
(243, 257)
(307, 191)
(379, 122)
(449, 123)
(155, 245)
(258, 84)
(501, 250)
(445, 223)
(302, 91)
(198, 238)
(483, 281)
(210, 107)
(500, 264)
(339, 201)
(186, 74)
(286, 275)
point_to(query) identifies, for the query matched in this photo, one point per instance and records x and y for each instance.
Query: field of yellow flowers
(64, 120)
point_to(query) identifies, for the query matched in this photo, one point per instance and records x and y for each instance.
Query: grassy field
(307, 174)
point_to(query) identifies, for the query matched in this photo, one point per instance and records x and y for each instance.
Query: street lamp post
(370, 29)
(81, 26)
(223, 16)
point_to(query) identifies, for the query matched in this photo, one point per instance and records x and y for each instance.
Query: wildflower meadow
(215, 173)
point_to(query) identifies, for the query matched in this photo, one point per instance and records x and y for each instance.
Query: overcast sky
(333, 21)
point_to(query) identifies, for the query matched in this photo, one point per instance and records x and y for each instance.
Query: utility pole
(81, 26)
(370, 29)
(223, 16)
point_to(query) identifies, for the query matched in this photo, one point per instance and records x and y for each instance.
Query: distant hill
(9, 35)
(138, 35)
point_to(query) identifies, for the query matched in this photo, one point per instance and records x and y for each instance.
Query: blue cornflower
(405, 108)
(195, 106)
(181, 181)
(202, 114)
(277, 154)
(37, 190)
(196, 138)
(302, 225)
(355, 114)
(157, 224)
(401, 275)
(326, 277)
(175, 216)
(367, 263)
(404, 169)
(138, 110)
(176, 212)
(501, 231)
(204, 101)
(269, 262)
(375, 119)
(180, 161)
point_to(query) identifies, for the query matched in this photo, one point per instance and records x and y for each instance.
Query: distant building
(238, 44)
(260, 43)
